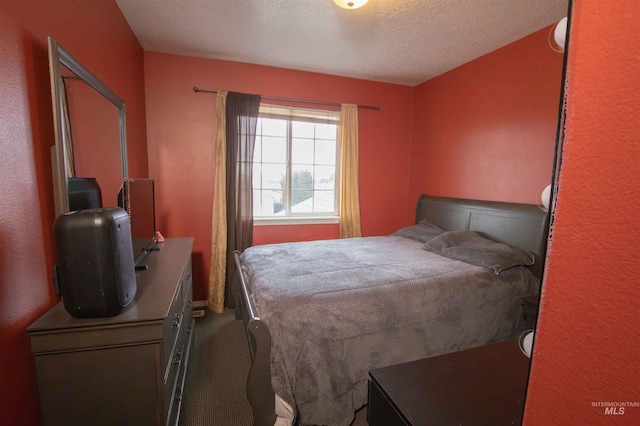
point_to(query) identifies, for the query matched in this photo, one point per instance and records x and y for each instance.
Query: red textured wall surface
(588, 339)
(98, 36)
(182, 126)
(487, 129)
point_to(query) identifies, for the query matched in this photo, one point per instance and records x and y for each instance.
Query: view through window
(295, 173)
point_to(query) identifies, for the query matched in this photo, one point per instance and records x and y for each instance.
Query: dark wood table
(480, 386)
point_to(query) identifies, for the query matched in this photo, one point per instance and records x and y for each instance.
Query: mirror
(90, 152)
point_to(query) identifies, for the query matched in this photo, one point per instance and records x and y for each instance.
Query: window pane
(274, 150)
(257, 151)
(324, 177)
(302, 177)
(326, 131)
(274, 176)
(301, 129)
(301, 188)
(302, 201)
(274, 127)
(267, 203)
(257, 203)
(302, 151)
(325, 152)
(313, 202)
(323, 201)
(257, 175)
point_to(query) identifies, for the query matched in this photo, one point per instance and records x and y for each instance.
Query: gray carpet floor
(214, 393)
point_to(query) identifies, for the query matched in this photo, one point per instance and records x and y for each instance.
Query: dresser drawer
(176, 399)
(177, 339)
(187, 312)
(187, 279)
(171, 329)
(171, 381)
(174, 386)
(172, 419)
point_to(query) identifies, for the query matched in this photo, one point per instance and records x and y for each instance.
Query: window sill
(317, 220)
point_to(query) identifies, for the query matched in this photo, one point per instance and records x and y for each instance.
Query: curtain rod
(377, 108)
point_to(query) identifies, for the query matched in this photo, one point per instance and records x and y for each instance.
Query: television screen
(84, 194)
(138, 199)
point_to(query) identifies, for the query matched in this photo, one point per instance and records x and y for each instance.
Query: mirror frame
(58, 57)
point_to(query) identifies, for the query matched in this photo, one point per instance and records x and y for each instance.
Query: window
(295, 165)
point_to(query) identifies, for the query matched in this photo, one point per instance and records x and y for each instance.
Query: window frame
(302, 114)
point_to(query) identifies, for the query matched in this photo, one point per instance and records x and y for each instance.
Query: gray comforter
(339, 308)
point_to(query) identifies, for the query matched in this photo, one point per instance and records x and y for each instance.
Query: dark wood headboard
(519, 225)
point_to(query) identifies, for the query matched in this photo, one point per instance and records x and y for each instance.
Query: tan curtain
(217, 269)
(349, 187)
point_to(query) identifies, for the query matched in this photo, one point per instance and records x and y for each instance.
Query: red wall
(99, 37)
(182, 127)
(486, 130)
(588, 340)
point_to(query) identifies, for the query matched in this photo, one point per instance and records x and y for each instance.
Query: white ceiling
(395, 41)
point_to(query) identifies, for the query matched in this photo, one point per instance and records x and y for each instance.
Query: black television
(137, 197)
(84, 193)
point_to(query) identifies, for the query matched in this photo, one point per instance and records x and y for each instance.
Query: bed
(319, 315)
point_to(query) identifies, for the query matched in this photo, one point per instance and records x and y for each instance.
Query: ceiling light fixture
(350, 4)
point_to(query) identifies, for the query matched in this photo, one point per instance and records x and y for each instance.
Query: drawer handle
(176, 322)
(177, 359)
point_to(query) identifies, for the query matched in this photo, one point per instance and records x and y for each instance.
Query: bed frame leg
(259, 392)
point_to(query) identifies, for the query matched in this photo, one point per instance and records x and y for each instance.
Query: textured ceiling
(395, 41)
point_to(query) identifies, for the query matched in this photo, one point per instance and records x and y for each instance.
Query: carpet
(214, 391)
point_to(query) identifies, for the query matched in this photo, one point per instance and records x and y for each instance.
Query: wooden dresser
(480, 386)
(123, 370)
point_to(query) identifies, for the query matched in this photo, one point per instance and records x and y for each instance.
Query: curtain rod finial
(195, 89)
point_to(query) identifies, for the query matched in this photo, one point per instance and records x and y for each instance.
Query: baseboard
(199, 308)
